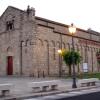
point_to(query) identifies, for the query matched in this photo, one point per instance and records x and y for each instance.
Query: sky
(83, 13)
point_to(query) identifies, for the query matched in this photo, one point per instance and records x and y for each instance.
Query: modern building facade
(29, 44)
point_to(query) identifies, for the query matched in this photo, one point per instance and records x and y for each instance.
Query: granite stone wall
(33, 43)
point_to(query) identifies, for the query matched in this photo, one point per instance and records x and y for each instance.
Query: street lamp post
(72, 30)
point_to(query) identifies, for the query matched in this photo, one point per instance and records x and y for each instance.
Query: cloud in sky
(83, 13)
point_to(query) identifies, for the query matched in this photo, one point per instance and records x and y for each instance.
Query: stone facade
(29, 44)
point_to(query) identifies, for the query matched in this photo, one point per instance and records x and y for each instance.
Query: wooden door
(9, 65)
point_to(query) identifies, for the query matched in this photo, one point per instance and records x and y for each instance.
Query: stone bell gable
(17, 39)
(16, 19)
(10, 19)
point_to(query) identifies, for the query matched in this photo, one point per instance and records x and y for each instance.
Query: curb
(47, 93)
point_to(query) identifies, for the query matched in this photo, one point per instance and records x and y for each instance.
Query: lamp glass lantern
(72, 29)
(60, 51)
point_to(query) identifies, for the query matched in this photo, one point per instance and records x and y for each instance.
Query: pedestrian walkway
(21, 89)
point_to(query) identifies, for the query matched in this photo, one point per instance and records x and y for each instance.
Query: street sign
(85, 67)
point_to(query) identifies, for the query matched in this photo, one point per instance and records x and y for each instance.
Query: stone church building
(29, 44)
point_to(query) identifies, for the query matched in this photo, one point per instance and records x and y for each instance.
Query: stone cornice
(64, 25)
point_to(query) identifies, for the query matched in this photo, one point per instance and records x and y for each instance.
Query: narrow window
(10, 25)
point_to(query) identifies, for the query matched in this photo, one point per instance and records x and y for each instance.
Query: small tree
(68, 58)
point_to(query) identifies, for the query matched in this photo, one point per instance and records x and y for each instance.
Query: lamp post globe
(72, 29)
(59, 51)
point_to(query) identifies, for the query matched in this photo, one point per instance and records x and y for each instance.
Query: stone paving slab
(21, 89)
(49, 94)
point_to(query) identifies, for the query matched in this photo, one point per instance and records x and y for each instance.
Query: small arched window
(10, 25)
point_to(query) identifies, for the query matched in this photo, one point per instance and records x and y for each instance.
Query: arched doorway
(9, 61)
(9, 65)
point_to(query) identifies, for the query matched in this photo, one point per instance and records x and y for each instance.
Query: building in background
(29, 44)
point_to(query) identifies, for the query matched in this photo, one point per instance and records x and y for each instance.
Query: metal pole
(74, 74)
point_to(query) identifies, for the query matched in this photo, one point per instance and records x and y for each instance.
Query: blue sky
(83, 13)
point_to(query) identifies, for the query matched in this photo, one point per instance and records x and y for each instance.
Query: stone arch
(97, 50)
(92, 58)
(46, 42)
(9, 21)
(39, 50)
(87, 48)
(10, 51)
(94, 49)
(53, 43)
(58, 57)
(63, 45)
(76, 47)
(27, 42)
(89, 61)
(53, 50)
(77, 50)
(58, 45)
(68, 46)
(46, 47)
(80, 65)
(9, 61)
(46, 57)
(40, 42)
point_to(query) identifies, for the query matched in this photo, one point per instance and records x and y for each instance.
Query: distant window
(10, 25)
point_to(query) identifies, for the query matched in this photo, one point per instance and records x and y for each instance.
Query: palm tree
(68, 58)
